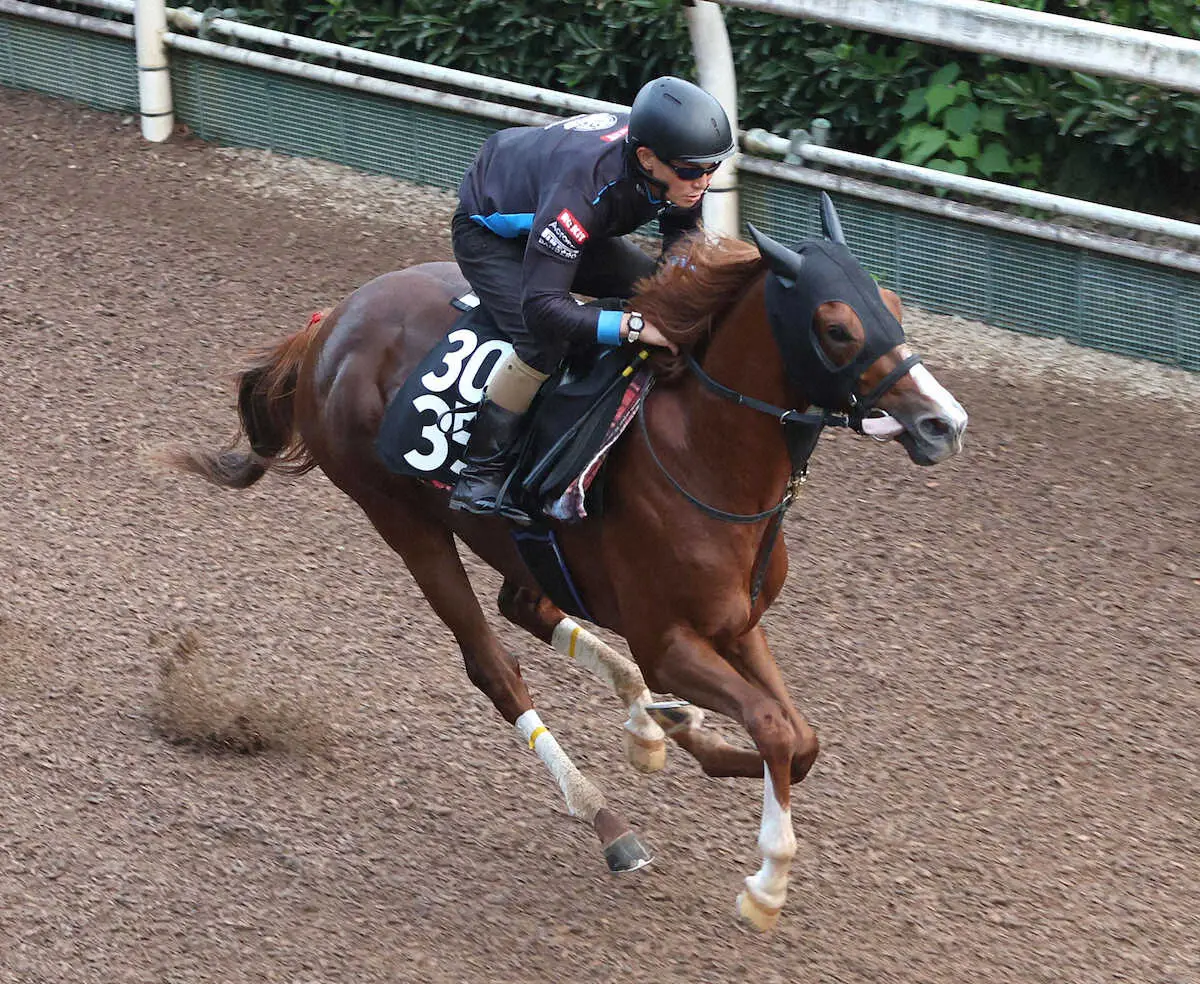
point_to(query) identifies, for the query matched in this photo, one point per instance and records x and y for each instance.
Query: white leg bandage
(583, 799)
(572, 639)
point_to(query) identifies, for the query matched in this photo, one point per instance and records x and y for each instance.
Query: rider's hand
(651, 335)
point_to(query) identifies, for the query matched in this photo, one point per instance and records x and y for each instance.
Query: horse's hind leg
(428, 550)
(645, 744)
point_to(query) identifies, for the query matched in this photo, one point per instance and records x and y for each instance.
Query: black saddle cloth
(427, 422)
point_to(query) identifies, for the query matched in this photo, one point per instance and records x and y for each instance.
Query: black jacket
(562, 186)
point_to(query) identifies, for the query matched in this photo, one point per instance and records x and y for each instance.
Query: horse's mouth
(922, 448)
(924, 452)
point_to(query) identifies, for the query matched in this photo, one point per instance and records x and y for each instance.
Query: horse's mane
(694, 286)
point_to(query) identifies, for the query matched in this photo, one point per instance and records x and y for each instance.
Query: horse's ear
(830, 223)
(781, 261)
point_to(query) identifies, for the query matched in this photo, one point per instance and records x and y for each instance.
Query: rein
(802, 430)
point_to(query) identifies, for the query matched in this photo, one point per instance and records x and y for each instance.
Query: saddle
(578, 415)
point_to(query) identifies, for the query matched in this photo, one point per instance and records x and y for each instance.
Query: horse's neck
(749, 445)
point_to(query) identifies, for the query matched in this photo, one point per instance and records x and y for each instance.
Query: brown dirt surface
(1001, 654)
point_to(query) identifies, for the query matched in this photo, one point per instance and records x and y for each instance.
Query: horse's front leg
(688, 665)
(766, 889)
(682, 722)
(645, 744)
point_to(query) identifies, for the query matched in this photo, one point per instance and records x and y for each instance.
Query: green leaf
(1088, 82)
(914, 105)
(994, 160)
(1116, 109)
(1126, 137)
(961, 120)
(946, 75)
(953, 167)
(991, 119)
(938, 97)
(967, 147)
(921, 142)
(1069, 119)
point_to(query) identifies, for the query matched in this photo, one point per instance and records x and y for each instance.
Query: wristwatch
(636, 324)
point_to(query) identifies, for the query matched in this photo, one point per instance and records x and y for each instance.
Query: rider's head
(678, 135)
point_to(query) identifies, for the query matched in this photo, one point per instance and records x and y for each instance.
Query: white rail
(755, 141)
(364, 83)
(760, 141)
(1178, 259)
(1012, 32)
(67, 18)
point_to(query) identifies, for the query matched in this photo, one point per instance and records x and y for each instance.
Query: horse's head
(844, 349)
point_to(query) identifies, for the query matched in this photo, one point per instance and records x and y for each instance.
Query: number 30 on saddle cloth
(578, 416)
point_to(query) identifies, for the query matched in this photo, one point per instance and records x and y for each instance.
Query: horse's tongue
(882, 427)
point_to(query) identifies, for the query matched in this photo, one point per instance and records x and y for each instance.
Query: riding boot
(491, 454)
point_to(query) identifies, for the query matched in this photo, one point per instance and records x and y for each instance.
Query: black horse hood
(827, 271)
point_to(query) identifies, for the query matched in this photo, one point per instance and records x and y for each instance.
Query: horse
(773, 345)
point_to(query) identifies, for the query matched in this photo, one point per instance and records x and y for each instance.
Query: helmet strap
(655, 190)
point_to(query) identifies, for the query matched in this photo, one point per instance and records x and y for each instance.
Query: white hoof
(760, 917)
(645, 756)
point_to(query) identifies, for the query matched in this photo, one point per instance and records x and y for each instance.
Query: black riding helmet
(679, 121)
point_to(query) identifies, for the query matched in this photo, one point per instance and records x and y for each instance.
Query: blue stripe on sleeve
(608, 327)
(509, 226)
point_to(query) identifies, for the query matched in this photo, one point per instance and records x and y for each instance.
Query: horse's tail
(266, 393)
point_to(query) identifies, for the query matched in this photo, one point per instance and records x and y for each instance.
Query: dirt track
(1002, 655)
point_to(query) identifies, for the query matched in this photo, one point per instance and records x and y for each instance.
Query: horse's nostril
(934, 428)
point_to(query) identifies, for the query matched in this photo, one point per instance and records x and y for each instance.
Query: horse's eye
(840, 333)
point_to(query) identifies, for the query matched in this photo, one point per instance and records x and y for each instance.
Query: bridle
(802, 430)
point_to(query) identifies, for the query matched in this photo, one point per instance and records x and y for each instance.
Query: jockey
(542, 212)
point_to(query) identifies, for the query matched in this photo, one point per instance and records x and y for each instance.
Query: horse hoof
(626, 854)
(645, 756)
(757, 915)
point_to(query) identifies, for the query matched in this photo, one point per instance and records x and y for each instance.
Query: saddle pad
(426, 424)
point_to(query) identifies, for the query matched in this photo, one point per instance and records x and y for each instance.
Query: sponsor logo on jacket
(572, 226)
(558, 242)
(588, 122)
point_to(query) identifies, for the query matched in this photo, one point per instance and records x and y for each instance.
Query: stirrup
(489, 504)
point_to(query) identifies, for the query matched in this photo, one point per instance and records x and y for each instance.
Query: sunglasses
(690, 172)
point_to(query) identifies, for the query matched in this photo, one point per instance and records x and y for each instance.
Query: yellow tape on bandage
(540, 730)
(574, 636)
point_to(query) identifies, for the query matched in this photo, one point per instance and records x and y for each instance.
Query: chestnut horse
(686, 557)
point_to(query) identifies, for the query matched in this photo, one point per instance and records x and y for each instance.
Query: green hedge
(1046, 128)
